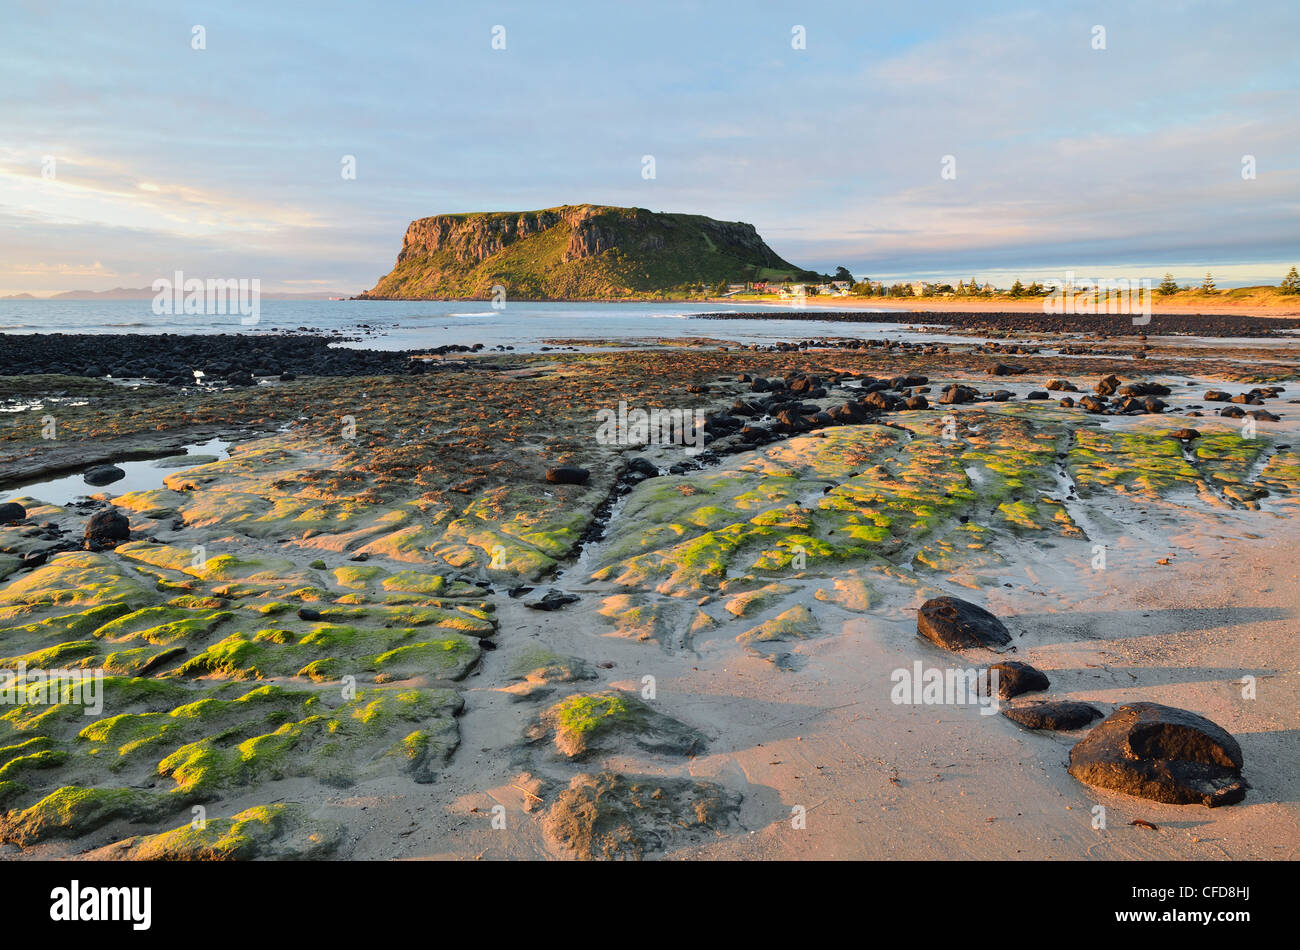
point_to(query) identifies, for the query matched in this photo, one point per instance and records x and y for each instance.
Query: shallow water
(140, 476)
(400, 325)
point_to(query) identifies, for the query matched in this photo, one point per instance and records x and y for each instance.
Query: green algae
(1146, 463)
(797, 623)
(163, 625)
(76, 579)
(586, 723)
(278, 831)
(72, 811)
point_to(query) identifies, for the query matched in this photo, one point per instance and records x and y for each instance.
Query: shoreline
(1281, 308)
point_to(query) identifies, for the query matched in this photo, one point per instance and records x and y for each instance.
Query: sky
(127, 154)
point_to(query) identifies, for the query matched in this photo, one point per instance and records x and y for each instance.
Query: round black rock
(957, 624)
(1015, 678)
(1163, 754)
(107, 528)
(567, 475)
(1055, 717)
(103, 475)
(11, 511)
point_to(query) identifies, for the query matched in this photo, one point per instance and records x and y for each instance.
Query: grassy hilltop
(577, 252)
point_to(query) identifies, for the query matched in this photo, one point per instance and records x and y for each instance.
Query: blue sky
(226, 161)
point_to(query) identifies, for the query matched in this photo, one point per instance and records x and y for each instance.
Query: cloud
(227, 160)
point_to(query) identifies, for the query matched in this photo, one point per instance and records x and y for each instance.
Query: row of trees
(1290, 284)
(867, 288)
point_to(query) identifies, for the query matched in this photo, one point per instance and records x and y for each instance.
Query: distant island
(148, 293)
(579, 252)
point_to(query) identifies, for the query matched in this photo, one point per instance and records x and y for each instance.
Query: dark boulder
(917, 402)
(552, 600)
(36, 558)
(1057, 716)
(567, 475)
(307, 613)
(1143, 389)
(1037, 394)
(1216, 395)
(957, 624)
(1163, 754)
(1108, 385)
(1015, 678)
(849, 413)
(103, 475)
(107, 528)
(955, 394)
(1185, 435)
(643, 466)
(11, 511)
(791, 420)
(805, 384)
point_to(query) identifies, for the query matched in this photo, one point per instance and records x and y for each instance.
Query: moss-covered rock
(588, 723)
(610, 817)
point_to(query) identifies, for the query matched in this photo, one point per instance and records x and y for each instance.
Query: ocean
(403, 325)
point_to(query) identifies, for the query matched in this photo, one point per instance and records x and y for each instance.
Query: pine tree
(1207, 285)
(1168, 285)
(1291, 283)
(1017, 289)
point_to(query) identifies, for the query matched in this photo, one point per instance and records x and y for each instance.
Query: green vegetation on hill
(578, 252)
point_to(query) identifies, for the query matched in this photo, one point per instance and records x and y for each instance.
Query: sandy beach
(366, 618)
(1280, 307)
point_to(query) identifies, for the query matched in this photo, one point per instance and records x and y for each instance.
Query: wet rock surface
(1015, 678)
(957, 624)
(587, 723)
(608, 816)
(103, 475)
(1163, 754)
(1059, 716)
(107, 528)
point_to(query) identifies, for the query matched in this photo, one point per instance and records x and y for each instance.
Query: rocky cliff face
(574, 251)
(471, 237)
